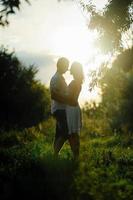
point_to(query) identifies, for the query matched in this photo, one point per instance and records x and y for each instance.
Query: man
(58, 89)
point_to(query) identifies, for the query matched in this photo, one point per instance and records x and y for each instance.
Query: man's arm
(58, 97)
(63, 99)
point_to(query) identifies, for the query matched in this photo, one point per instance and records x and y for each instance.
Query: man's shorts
(61, 124)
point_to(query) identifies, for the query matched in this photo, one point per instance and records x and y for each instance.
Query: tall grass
(28, 168)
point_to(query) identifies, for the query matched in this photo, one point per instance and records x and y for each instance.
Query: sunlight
(74, 43)
(53, 32)
(77, 44)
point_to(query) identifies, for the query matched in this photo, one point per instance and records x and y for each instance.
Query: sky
(47, 30)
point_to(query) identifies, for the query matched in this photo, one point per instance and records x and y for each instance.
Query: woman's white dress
(73, 113)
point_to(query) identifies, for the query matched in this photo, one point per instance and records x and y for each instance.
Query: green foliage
(103, 171)
(8, 7)
(28, 169)
(124, 60)
(127, 104)
(115, 82)
(24, 100)
(115, 19)
(95, 122)
(116, 87)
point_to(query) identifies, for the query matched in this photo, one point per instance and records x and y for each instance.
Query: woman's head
(77, 71)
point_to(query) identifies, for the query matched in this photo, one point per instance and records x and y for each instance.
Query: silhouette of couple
(65, 107)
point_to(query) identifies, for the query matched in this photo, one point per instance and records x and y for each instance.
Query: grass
(28, 168)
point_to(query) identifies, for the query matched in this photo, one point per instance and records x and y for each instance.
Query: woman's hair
(77, 71)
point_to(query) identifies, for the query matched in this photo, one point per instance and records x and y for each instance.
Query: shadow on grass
(47, 178)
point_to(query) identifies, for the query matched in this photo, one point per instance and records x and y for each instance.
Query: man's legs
(61, 130)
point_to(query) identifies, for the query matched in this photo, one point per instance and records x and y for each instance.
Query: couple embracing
(65, 107)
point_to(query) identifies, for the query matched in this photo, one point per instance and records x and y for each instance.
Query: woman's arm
(74, 90)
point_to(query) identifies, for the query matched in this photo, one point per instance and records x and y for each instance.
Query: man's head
(62, 65)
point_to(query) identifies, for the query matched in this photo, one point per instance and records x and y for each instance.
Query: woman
(73, 113)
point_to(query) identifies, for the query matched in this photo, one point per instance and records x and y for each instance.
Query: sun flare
(77, 45)
(74, 43)
(54, 31)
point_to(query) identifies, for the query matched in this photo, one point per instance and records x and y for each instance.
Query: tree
(8, 7)
(115, 81)
(116, 84)
(114, 21)
(24, 100)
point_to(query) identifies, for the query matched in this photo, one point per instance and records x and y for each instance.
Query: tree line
(24, 101)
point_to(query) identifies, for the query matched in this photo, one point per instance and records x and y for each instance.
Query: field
(28, 168)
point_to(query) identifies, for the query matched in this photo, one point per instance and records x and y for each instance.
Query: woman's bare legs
(75, 144)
